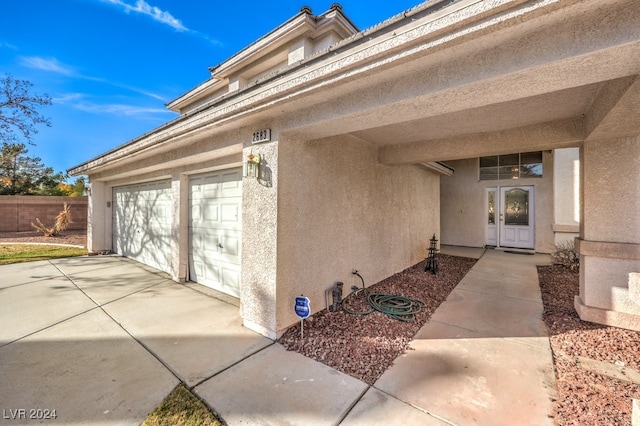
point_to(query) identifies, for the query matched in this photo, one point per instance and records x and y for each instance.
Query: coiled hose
(398, 307)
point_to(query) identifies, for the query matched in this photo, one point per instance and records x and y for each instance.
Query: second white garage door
(215, 230)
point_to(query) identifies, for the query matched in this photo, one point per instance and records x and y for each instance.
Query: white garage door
(215, 230)
(142, 223)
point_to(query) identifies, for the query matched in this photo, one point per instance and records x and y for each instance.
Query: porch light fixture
(251, 166)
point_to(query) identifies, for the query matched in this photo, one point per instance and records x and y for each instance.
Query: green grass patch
(182, 408)
(18, 253)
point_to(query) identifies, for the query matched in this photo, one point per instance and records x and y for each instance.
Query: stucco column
(259, 242)
(609, 244)
(566, 194)
(179, 226)
(98, 215)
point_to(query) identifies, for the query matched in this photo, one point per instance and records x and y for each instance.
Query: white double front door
(509, 217)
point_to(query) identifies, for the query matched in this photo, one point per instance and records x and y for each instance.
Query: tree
(75, 189)
(78, 188)
(19, 114)
(24, 175)
(19, 117)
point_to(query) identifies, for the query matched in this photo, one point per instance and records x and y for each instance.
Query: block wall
(18, 211)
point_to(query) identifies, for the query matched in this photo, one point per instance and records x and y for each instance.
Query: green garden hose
(398, 307)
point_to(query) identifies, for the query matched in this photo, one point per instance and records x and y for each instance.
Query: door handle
(220, 245)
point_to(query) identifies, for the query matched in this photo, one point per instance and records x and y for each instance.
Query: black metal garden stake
(432, 258)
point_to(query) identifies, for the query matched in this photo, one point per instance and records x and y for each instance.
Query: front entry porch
(509, 217)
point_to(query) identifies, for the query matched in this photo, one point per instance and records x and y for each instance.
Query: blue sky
(110, 66)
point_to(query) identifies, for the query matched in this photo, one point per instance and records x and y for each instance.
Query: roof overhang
(303, 24)
(424, 45)
(204, 89)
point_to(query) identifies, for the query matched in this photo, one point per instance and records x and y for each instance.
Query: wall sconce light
(251, 166)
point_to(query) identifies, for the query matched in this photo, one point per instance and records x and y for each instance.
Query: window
(511, 166)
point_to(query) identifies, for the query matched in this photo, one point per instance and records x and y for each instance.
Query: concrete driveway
(104, 339)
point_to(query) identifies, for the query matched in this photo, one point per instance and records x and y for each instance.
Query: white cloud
(120, 109)
(154, 12)
(47, 64)
(79, 101)
(137, 90)
(67, 97)
(55, 66)
(4, 44)
(162, 16)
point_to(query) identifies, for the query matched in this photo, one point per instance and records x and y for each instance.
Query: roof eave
(209, 86)
(164, 133)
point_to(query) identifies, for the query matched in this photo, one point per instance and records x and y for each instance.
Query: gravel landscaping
(597, 367)
(68, 237)
(365, 346)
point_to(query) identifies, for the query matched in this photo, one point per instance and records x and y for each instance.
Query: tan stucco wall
(99, 217)
(611, 184)
(463, 203)
(608, 281)
(338, 210)
(566, 194)
(610, 239)
(260, 201)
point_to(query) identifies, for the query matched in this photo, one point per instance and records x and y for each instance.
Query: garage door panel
(195, 242)
(196, 271)
(230, 213)
(231, 184)
(213, 274)
(195, 191)
(220, 276)
(215, 230)
(142, 223)
(195, 214)
(230, 247)
(216, 245)
(162, 212)
(211, 188)
(231, 281)
(211, 213)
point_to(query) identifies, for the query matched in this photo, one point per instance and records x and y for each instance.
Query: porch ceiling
(553, 105)
(564, 104)
(550, 82)
(565, 118)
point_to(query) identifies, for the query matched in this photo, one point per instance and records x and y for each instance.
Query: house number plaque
(260, 136)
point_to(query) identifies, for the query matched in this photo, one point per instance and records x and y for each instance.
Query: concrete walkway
(484, 358)
(103, 340)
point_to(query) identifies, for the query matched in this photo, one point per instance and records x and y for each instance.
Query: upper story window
(511, 166)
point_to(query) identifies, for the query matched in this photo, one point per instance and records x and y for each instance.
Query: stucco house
(321, 148)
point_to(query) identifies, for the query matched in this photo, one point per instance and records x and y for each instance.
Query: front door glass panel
(516, 207)
(492, 207)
